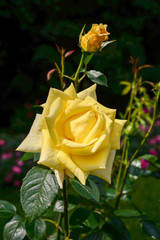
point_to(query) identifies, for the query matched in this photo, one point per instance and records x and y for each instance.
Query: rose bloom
(75, 135)
(92, 41)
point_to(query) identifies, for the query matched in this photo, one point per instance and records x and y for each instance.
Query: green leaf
(39, 189)
(94, 190)
(98, 236)
(59, 206)
(86, 191)
(7, 209)
(36, 157)
(150, 229)
(97, 77)
(127, 213)
(14, 229)
(126, 90)
(125, 83)
(111, 193)
(78, 229)
(36, 229)
(115, 229)
(79, 216)
(53, 237)
(88, 58)
(27, 156)
(91, 221)
(149, 157)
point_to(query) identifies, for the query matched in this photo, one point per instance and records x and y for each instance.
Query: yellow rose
(92, 41)
(75, 135)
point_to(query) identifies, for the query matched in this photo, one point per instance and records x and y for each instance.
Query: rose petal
(32, 143)
(91, 91)
(55, 109)
(93, 162)
(106, 173)
(48, 155)
(60, 177)
(52, 96)
(116, 133)
(70, 91)
(64, 158)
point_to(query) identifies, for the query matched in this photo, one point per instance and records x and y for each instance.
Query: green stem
(126, 138)
(65, 209)
(136, 152)
(121, 165)
(76, 78)
(58, 232)
(53, 222)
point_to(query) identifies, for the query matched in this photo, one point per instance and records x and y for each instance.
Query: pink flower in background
(144, 164)
(157, 122)
(157, 138)
(153, 152)
(152, 141)
(145, 110)
(8, 178)
(28, 105)
(16, 169)
(2, 142)
(6, 155)
(17, 183)
(19, 163)
(143, 129)
(30, 114)
(18, 154)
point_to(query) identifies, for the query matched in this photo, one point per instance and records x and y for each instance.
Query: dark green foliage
(39, 189)
(33, 28)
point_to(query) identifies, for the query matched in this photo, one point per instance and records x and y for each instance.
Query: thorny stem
(65, 209)
(137, 151)
(126, 138)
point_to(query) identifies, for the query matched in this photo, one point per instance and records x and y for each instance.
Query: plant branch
(76, 78)
(137, 151)
(65, 209)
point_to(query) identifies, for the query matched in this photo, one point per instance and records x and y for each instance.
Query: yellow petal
(111, 113)
(32, 143)
(71, 92)
(65, 159)
(55, 109)
(91, 91)
(106, 173)
(116, 133)
(48, 155)
(79, 126)
(68, 173)
(52, 96)
(92, 162)
(73, 108)
(60, 177)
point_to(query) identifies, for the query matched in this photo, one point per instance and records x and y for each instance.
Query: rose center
(78, 126)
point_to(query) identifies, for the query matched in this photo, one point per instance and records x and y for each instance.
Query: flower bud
(92, 41)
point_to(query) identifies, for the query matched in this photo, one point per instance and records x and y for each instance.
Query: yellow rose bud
(92, 41)
(75, 135)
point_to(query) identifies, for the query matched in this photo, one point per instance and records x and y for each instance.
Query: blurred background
(29, 32)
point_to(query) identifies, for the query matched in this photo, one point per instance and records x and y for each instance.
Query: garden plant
(86, 158)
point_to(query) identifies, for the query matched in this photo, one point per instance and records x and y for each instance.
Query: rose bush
(92, 41)
(75, 135)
